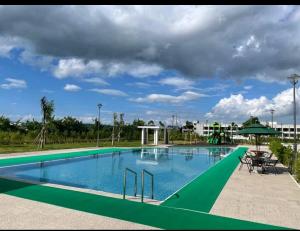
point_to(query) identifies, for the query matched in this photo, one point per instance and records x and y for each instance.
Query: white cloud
(7, 44)
(248, 87)
(113, 92)
(22, 118)
(76, 67)
(162, 98)
(13, 83)
(139, 84)
(96, 81)
(144, 70)
(71, 87)
(120, 36)
(178, 82)
(44, 62)
(86, 119)
(136, 69)
(238, 107)
(251, 44)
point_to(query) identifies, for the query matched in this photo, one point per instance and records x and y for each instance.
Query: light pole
(272, 112)
(294, 80)
(99, 106)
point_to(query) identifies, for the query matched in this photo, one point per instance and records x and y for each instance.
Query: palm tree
(47, 109)
(232, 125)
(151, 123)
(121, 125)
(115, 124)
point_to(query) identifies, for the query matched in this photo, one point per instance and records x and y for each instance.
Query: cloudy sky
(222, 63)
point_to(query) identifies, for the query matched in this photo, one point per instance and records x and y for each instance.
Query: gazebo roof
(150, 127)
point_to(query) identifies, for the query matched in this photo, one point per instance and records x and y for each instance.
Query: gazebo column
(155, 141)
(143, 136)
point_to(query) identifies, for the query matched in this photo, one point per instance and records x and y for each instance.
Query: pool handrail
(124, 182)
(152, 184)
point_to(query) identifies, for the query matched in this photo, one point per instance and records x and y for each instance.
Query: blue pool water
(172, 168)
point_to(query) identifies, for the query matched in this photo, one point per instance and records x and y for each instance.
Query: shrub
(287, 155)
(297, 172)
(275, 146)
(284, 154)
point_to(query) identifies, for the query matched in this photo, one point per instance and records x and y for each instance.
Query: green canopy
(257, 130)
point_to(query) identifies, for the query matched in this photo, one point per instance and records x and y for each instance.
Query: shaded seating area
(264, 161)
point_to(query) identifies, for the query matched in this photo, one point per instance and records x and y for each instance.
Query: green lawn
(30, 147)
(11, 148)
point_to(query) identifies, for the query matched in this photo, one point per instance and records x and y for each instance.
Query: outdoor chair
(269, 163)
(268, 155)
(255, 162)
(245, 161)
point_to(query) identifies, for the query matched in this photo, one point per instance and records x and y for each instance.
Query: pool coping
(196, 177)
(164, 223)
(201, 193)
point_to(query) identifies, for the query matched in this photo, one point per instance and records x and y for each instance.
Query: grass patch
(12, 148)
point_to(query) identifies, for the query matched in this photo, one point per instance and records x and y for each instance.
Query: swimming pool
(172, 168)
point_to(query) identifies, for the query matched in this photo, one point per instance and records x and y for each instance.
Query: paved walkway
(19, 213)
(271, 199)
(266, 198)
(34, 153)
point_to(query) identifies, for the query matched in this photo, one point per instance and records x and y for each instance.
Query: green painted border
(55, 156)
(201, 193)
(162, 216)
(152, 215)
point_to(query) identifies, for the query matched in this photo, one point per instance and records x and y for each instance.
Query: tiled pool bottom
(172, 168)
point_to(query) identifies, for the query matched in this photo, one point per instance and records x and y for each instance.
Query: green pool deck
(173, 214)
(55, 156)
(201, 193)
(152, 215)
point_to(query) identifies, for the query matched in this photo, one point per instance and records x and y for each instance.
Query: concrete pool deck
(266, 198)
(41, 213)
(19, 213)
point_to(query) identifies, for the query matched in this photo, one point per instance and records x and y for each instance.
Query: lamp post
(99, 106)
(294, 80)
(272, 112)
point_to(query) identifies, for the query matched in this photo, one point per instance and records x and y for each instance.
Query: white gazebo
(145, 129)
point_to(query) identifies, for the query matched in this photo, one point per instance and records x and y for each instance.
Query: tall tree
(161, 124)
(5, 124)
(151, 122)
(232, 126)
(138, 122)
(47, 110)
(251, 120)
(121, 125)
(115, 123)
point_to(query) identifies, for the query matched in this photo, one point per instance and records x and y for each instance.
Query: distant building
(205, 129)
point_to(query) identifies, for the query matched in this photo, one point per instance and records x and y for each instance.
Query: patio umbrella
(258, 130)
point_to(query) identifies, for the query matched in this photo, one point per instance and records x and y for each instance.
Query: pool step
(146, 200)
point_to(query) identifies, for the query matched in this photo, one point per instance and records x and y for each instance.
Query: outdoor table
(262, 161)
(258, 153)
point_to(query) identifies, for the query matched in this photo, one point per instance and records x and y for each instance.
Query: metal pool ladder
(152, 184)
(135, 183)
(124, 182)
